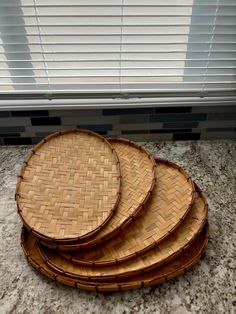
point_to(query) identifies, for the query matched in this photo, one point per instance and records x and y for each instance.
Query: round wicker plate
(165, 251)
(138, 172)
(69, 186)
(189, 257)
(171, 199)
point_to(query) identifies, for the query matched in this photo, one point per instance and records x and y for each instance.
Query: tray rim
(114, 286)
(132, 273)
(128, 257)
(99, 241)
(25, 164)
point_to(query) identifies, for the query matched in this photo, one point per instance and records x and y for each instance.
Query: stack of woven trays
(105, 215)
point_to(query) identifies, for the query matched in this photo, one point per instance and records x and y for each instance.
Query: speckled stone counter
(207, 288)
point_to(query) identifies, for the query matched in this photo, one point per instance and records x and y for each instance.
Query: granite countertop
(207, 288)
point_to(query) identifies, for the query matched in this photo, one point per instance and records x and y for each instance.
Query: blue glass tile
(29, 113)
(7, 129)
(96, 127)
(180, 125)
(108, 112)
(18, 141)
(173, 110)
(135, 132)
(176, 117)
(186, 136)
(9, 134)
(4, 114)
(171, 131)
(46, 121)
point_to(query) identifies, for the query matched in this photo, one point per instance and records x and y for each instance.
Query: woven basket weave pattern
(104, 215)
(138, 174)
(63, 196)
(168, 271)
(166, 250)
(138, 181)
(171, 200)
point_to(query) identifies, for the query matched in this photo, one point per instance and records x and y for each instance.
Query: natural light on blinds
(117, 46)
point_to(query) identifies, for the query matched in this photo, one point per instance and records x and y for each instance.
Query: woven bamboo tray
(69, 186)
(167, 250)
(172, 198)
(189, 257)
(138, 172)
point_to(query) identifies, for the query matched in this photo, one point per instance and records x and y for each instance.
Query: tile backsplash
(139, 124)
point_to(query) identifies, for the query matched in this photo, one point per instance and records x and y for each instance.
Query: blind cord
(210, 47)
(121, 43)
(41, 45)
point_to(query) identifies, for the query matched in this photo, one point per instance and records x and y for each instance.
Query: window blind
(117, 46)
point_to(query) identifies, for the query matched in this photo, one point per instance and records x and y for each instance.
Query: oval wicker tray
(138, 172)
(69, 186)
(167, 250)
(189, 257)
(171, 199)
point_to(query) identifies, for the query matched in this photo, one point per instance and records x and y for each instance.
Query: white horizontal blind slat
(119, 46)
